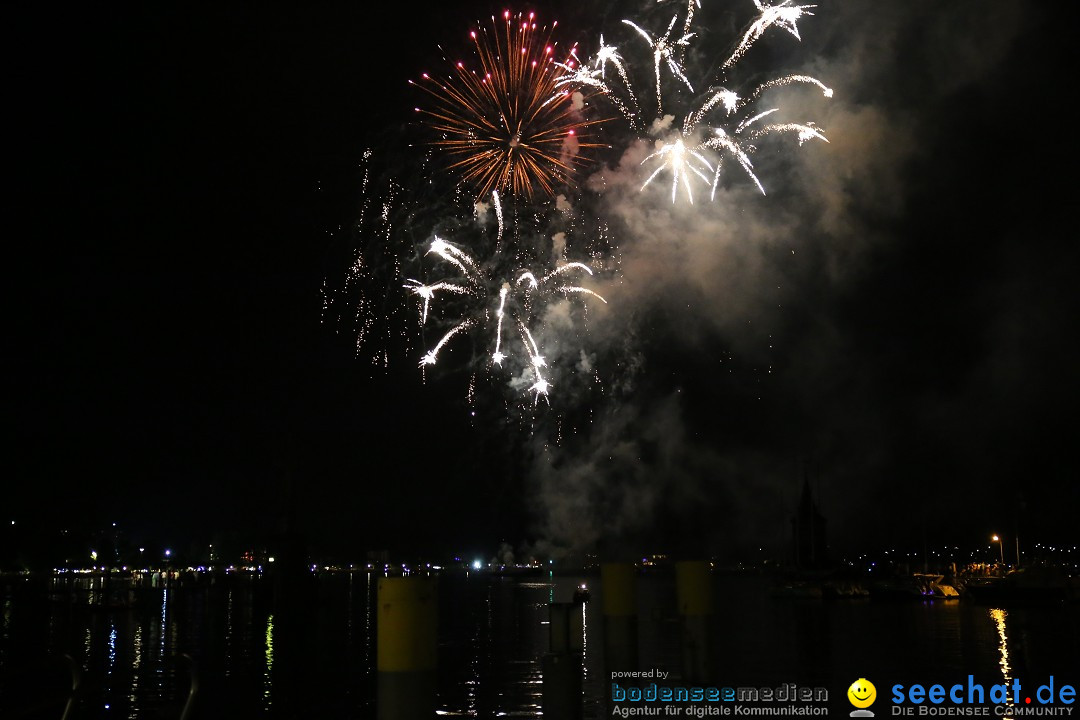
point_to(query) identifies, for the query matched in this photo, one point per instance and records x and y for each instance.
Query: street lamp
(997, 539)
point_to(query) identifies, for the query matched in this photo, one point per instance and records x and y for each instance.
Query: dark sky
(897, 316)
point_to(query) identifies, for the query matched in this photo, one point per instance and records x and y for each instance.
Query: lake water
(315, 658)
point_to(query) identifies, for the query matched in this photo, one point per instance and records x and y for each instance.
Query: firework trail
(717, 124)
(503, 291)
(784, 15)
(664, 52)
(510, 126)
(356, 301)
(521, 299)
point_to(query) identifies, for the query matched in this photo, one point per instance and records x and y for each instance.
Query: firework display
(510, 125)
(517, 306)
(718, 123)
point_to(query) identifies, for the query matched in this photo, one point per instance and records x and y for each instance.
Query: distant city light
(477, 564)
(168, 553)
(270, 559)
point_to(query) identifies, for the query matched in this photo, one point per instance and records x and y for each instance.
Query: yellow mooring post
(694, 597)
(406, 630)
(618, 588)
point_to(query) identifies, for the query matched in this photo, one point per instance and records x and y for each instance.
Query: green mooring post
(694, 596)
(406, 648)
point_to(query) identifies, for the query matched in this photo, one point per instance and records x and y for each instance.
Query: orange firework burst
(509, 126)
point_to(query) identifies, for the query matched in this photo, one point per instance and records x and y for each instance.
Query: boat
(916, 586)
(1029, 586)
(845, 589)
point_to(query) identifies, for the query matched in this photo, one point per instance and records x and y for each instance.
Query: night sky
(895, 320)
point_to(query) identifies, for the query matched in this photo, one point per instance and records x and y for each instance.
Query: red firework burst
(508, 126)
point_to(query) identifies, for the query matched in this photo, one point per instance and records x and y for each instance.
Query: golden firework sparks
(510, 126)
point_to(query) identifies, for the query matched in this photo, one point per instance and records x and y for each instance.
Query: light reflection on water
(112, 648)
(260, 660)
(268, 673)
(998, 616)
(228, 628)
(136, 663)
(5, 627)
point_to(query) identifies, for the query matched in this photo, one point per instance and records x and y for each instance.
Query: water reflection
(228, 630)
(5, 625)
(161, 624)
(259, 659)
(368, 619)
(585, 639)
(494, 634)
(269, 669)
(998, 616)
(136, 664)
(112, 647)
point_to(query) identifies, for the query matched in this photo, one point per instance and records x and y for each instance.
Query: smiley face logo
(862, 693)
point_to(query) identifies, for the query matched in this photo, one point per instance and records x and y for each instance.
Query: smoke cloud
(757, 362)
